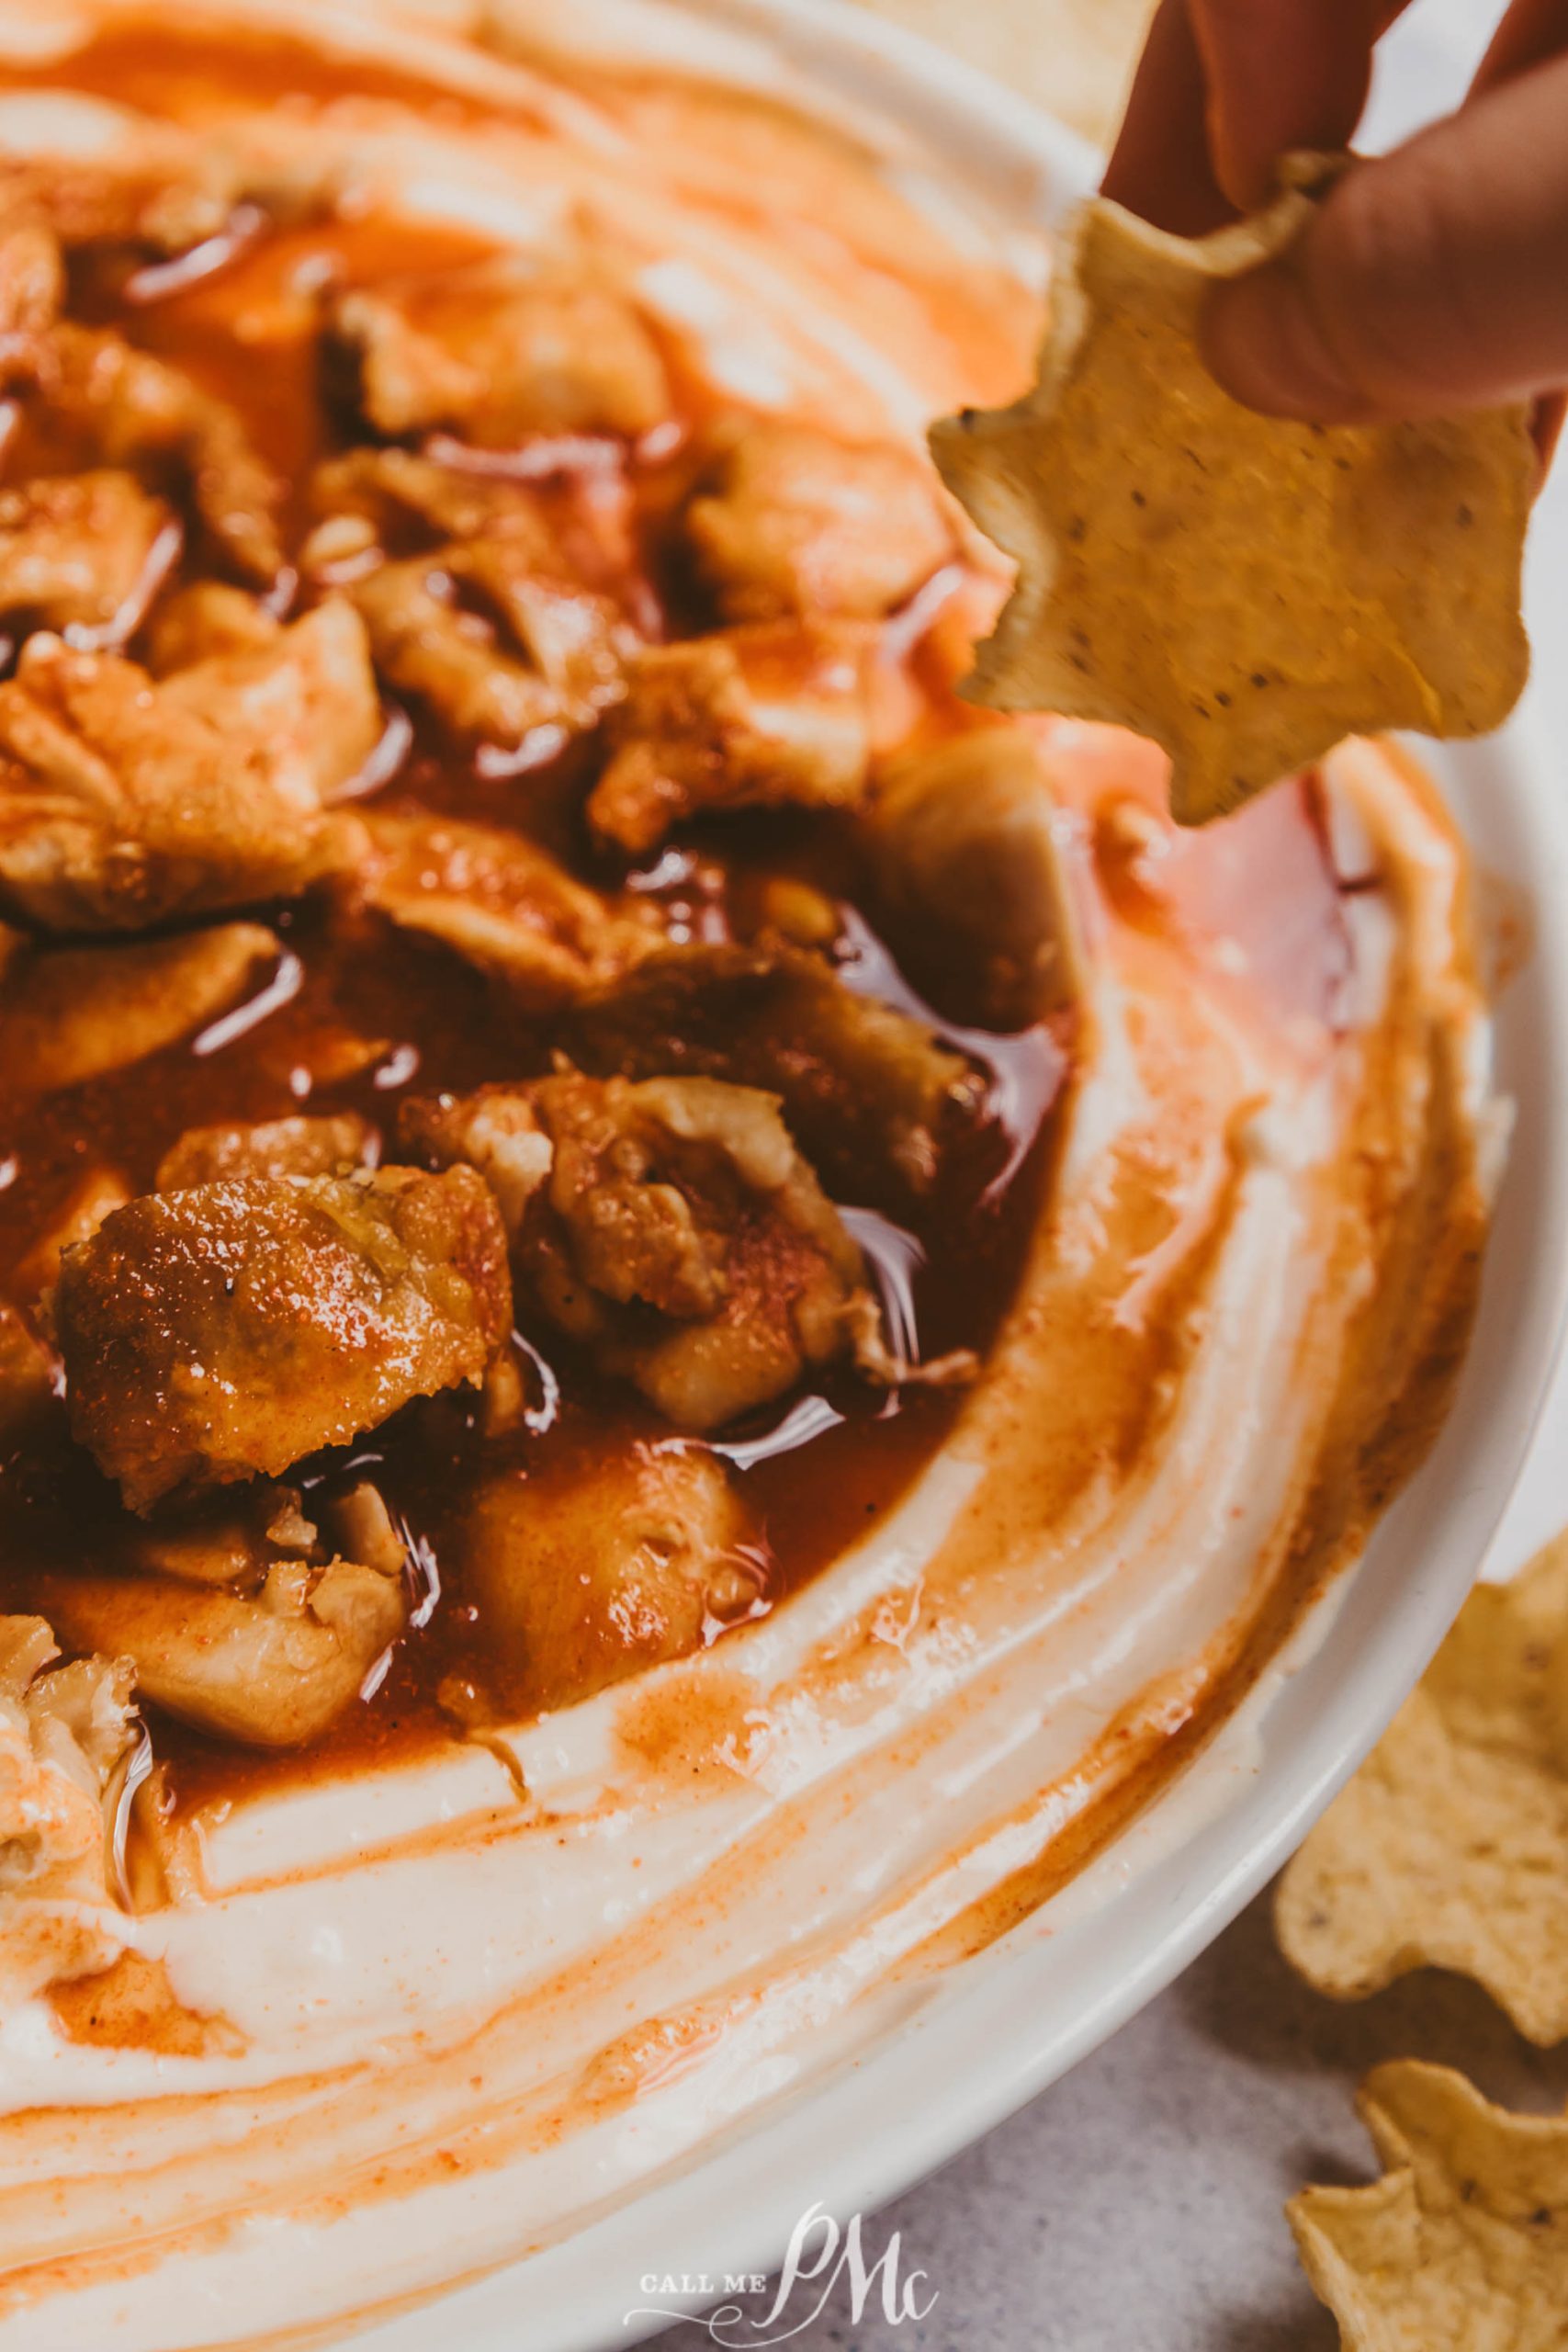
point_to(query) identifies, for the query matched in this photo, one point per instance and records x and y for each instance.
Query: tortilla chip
(1244, 589)
(1462, 2246)
(1449, 1848)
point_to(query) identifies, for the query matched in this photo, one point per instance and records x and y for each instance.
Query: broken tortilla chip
(1462, 2245)
(1449, 1848)
(1245, 589)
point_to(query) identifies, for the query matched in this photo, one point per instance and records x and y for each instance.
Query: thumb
(1430, 280)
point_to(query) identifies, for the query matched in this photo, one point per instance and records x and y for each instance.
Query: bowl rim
(986, 2041)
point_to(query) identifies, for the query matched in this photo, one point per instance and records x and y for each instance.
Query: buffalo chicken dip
(673, 1314)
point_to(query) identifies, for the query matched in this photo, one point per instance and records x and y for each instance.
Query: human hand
(1431, 280)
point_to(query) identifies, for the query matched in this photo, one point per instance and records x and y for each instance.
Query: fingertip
(1245, 178)
(1546, 427)
(1262, 343)
(1290, 75)
(1159, 165)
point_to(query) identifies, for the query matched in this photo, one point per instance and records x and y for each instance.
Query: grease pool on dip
(1215, 1240)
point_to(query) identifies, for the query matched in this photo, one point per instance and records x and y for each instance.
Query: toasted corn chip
(1245, 589)
(1449, 1848)
(1462, 2245)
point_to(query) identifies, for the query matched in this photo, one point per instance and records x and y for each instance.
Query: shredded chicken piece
(224, 1332)
(788, 520)
(65, 1735)
(271, 1664)
(967, 842)
(32, 287)
(753, 719)
(499, 351)
(225, 1632)
(164, 191)
(395, 492)
(378, 502)
(527, 650)
(476, 613)
(862, 1085)
(365, 1525)
(505, 904)
(123, 803)
(328, 1145)
(83, 553)
(233, 1537)
(669, 1227)
(287, 1529)
(213, 1542)
(68, 1014)
(496, 1130)
(61, 1733)
(133, 409)
(582, 1578)
(305, 696)
(204, 618)
(99, 1193)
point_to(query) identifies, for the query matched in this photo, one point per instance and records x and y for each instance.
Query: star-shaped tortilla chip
(1462, 2245)
(1449, 1848)
(1245, 589)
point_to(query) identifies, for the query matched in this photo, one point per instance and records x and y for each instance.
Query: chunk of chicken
(865, 1087)
(497, 1130)
(131, 408)
(494, 645)
(374, 503)
(271, 1664)
(61, 1734)
(66, 1737)
(32, 287)
(84, 554)
(581, 1578)
(245, 1618)
(396, 494)
(68, 1014)
(304, 696)
(965, 840)
(204, 618)
(673, 1229)
(26, 1390)
(216, 1334)
(95, 1196)
(162, 191)
(123, 803)
(753, 719)
(499, 351)
(332, 1145)
(788, 520)
(503, 904)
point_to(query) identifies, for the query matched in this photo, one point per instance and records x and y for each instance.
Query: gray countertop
(1135, 2205)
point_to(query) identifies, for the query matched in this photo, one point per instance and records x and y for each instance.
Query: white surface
(1138, 2204)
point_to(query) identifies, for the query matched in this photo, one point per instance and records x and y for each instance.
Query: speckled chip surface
(1244, 589)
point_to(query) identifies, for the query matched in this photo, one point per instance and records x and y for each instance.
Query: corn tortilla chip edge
(999, 504)
(1509, 1611)
(1418, 2114)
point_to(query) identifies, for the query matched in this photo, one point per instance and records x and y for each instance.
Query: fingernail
(1546, 426)
(1262, 341)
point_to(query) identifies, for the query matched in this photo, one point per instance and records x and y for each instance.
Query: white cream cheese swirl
(458, 2022)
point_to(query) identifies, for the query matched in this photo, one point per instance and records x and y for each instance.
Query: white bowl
(998, 2028)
